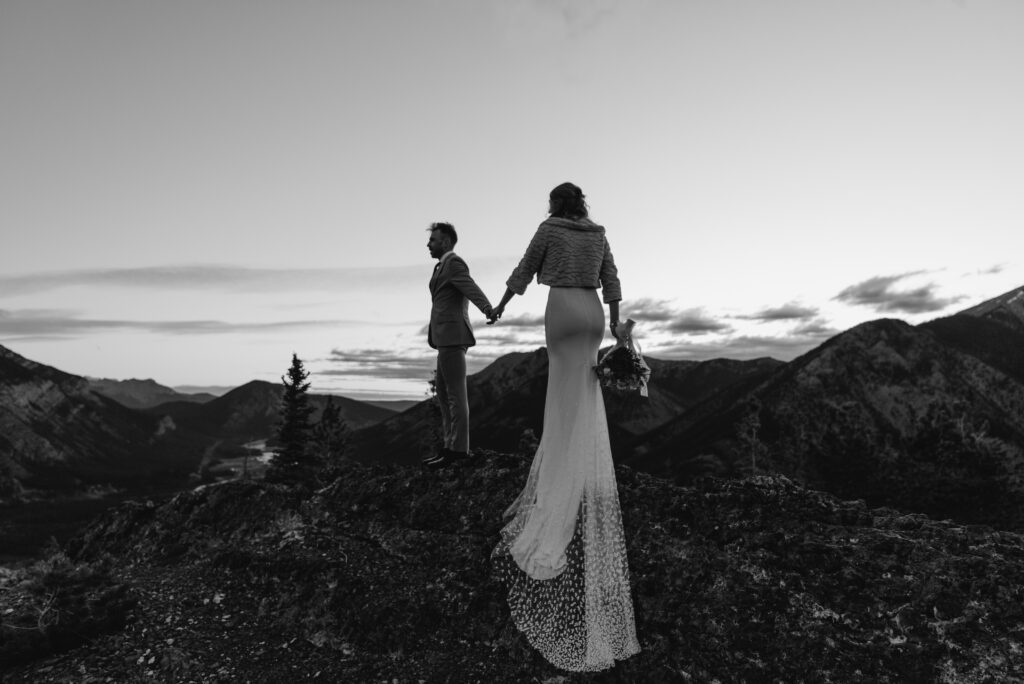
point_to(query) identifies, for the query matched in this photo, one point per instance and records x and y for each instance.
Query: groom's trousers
(453, 398)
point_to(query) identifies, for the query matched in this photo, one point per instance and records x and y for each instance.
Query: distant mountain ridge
(926, 418)
(59, 436)
(65, 435)
(141, 394)
(250, 412)
(507, 399)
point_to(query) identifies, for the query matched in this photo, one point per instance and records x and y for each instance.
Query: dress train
(563, 554)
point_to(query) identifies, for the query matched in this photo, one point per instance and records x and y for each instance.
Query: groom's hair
(446, 229)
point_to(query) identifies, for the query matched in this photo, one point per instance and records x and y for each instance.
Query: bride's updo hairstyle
(568, 201)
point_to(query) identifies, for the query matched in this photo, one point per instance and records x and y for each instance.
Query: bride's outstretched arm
(500, 309)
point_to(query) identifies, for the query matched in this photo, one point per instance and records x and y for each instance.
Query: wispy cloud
(696, 322)
(882, 294)
(817, 329)
(224, 278)
(516, 338)
(661, 315)
(649, 310)
(412, 364)
(991, 270)
(741, 347)
(521, 330)
(786, 312)
(381, 363)
(61, 324)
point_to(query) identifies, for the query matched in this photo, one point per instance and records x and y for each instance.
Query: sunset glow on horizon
(193, 191)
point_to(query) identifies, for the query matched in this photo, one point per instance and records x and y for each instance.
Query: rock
(386, 574)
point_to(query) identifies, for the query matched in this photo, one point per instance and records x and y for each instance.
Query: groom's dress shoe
(438, 459)
(431, 458)
(447, 455)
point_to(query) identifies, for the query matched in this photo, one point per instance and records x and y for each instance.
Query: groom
(449, 332)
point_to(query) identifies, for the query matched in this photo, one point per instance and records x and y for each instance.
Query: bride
(562, 553)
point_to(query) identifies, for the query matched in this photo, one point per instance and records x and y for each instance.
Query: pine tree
(294, 463)
(330, 436)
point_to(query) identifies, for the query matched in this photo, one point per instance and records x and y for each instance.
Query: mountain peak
(15, 367)
(1007, 309)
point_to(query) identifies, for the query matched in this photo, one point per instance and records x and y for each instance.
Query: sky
(193, 191)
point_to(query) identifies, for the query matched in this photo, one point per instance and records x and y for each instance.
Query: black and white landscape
(862, 502)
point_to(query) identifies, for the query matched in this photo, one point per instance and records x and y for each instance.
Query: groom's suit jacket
(451, 290)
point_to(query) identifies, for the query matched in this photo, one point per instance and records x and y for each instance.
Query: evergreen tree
(330, 436)
(294, 462)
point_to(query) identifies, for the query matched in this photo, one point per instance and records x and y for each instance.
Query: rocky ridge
(885, 411)
(142, 394)
(58, 436)
(384, 575)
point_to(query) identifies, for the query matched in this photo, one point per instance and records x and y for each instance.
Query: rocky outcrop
(58, 436)
(385, 575)
(1006, 309)
(886, 412)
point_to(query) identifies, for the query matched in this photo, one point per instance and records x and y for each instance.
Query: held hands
(495, 314)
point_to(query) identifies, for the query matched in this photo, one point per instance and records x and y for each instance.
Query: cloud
(785, 312)
(696, 322)
(61, 324)
(510, 338)
(381, 363)
(817, 328)
(388, 364)
(525, 329)
(743, 347)
(881, 294)
(651, 310)
(661, 315)
(223, 278)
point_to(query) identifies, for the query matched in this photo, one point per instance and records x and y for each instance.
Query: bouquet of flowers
(622, 367)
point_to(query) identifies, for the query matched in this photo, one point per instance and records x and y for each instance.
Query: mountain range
(142, 394)
(926, 418)
(65, 435)
(250, 412)
(59, 436)
(384, 573)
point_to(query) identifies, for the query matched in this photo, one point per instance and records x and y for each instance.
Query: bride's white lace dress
(563, 554)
